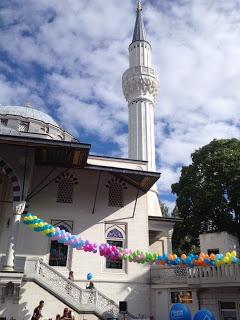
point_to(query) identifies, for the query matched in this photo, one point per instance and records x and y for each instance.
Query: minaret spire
(139, 5)
(139, 33)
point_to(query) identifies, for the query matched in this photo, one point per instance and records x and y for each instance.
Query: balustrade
(81, 299)
(169, 275)
(215, 276)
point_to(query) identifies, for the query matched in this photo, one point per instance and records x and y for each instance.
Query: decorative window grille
(115, 195)
(115, 236)
(23, 126)
(4, 122)
(66, 184)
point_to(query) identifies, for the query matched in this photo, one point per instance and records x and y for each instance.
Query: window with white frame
(115, 236)
(58, 256)
(228, 310)
(181, 297)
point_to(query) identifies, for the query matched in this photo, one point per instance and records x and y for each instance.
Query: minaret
(140, 87)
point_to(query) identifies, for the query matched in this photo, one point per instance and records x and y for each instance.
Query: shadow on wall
(85, 199)
(13, 310)
(136, 293)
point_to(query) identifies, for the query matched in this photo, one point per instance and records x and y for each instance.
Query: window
(23, 126)
(115, 195)
(58, 251)
(181, 297)
(214, 251)
(66, 184)
(45, 129)
(115, 236)
(228, 310)
(4, 122)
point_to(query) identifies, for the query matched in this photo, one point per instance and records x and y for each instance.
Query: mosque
(46, 171)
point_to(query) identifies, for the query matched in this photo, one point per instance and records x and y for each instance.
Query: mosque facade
(47, 172)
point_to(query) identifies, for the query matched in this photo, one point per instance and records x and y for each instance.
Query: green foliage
(164, 209)
(208, 193)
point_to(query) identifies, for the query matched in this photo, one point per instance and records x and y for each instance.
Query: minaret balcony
(139, 70)
(140, 83)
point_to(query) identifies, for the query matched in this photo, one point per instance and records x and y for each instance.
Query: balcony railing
(225, 275)
(169, 275)
(215, 276)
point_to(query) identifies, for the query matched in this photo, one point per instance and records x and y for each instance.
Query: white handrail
(81, 299)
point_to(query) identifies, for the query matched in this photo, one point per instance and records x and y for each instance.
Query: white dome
(28, 113)
(29, 122)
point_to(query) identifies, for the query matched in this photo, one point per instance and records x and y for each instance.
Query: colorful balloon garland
(115, 253)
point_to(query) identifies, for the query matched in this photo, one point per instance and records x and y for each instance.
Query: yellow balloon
(226, 259)
(233, 253)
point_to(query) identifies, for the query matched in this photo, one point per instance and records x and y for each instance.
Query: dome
(29, 122)
(28, 113)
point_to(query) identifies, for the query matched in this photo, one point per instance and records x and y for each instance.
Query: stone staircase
(80, 300)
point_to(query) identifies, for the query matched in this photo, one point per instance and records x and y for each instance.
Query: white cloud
(81, 49)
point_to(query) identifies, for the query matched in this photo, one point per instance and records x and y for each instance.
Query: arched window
(58, 251)
(66, 184)
(115, 194)
(115, 236)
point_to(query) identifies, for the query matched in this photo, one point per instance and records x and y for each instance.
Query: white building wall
(161, 301)
(210, 299)
(130, 283)
(223, 241)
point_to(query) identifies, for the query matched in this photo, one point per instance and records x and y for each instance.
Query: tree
(208, 193)
(164, 209)
(175, 212)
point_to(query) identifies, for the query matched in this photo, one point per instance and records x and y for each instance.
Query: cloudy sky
(67, 58)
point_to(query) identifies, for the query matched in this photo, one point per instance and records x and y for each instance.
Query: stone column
(169, 241)
(18, 208)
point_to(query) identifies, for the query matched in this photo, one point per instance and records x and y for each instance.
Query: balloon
(233, 253)
(114, 253)
(204, 315)
(89, 276)
(212, 256)
(180, 311)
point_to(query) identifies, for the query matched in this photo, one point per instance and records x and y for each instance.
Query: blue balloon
(180, 311)
(89, 276)
(204, 315)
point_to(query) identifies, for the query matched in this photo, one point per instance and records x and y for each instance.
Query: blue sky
(67, 58)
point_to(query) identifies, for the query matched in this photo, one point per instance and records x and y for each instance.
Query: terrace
(198, 277)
